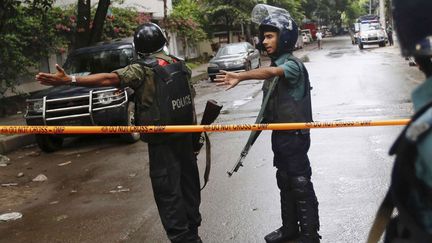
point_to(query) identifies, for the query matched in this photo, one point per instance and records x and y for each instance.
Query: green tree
(228, 15)
(294, 7)
(27, 33)
(353, 11)
(186, 21)
(32, 30)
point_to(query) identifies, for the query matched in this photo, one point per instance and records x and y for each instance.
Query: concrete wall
(149, 6)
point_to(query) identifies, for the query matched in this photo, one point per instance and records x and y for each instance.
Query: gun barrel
(237, 165)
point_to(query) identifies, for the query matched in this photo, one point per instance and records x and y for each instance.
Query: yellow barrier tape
(193, 128)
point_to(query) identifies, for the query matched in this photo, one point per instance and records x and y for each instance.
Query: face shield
(278, 19)
(262, 11)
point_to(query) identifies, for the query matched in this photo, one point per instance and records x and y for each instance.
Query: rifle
(211, 112)
(254, 134)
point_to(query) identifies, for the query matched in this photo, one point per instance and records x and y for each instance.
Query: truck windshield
(98, 62)
(370, 26)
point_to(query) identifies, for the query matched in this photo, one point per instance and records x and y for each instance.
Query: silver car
(235, 57)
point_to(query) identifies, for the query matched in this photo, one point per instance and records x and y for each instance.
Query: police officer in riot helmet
(290, 102)
(411, 182)
(173, 165)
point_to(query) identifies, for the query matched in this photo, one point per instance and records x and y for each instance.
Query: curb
(13, 142)
(199, 77)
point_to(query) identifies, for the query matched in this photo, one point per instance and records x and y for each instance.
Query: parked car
(299, 44)
(326, 31)
(307, 36)
(76, 106)
(235, 57)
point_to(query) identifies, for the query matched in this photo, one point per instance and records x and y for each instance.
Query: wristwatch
(73, 81)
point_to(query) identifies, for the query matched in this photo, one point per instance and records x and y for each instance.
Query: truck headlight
(35, 106)
(105, 98)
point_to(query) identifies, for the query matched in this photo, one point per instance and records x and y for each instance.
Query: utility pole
(370, 6)
(382, 13)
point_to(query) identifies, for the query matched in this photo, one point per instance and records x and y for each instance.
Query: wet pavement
(104, 193)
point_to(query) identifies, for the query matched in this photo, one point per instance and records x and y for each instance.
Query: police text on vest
(181, 102)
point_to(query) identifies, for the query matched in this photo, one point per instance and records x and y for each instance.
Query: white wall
(149, 6)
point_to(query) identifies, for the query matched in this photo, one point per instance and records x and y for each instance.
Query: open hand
(227, 78)
(54, 79)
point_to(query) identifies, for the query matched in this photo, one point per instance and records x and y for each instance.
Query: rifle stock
(211, 112)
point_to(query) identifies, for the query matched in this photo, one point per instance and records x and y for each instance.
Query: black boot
(307, 210)
(290, 227)
(193, 235)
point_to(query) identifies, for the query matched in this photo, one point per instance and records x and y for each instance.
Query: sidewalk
(11, 142)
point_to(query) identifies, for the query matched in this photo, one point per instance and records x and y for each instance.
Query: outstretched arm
(61, 78)
(232, 79)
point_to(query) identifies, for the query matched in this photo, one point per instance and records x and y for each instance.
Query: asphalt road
(104, 193)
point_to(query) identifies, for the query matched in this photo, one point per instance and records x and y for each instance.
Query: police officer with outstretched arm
(162, 97)
(290, 102)
(410, 190)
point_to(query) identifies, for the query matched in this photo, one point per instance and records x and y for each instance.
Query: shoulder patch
(420, 126)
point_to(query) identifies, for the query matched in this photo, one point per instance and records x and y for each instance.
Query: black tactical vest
(404, 179)
(172, 102)
(282, 108)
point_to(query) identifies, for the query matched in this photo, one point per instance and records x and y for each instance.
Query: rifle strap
(208, 160)
(266, 99)
(254, 134)
(382, 219)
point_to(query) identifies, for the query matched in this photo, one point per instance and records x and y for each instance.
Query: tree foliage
(187, 21)
(228, 15)
(32, 30)
(294, 7)
(26, 34)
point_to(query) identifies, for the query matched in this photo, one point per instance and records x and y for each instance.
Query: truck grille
(59, 110)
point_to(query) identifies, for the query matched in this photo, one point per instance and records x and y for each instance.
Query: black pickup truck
(78, 106)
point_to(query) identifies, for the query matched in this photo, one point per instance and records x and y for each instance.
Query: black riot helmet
(285, 26)
(149, 38)
(274, 19)
(413, 23)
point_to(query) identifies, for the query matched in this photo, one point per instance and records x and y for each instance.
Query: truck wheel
(49, 143)
(361, 46)
(130, 113)
(382, 44)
